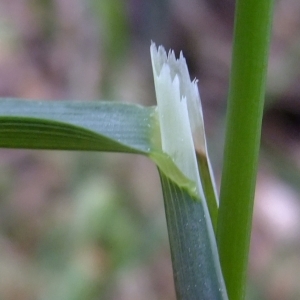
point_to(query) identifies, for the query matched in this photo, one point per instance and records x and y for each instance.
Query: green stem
(253, 21)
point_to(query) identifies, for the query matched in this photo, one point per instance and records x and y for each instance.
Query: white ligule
(179, 112)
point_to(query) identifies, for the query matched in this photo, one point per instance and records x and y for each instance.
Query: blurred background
(78, 225)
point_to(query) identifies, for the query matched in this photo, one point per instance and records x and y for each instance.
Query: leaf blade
(66, 125)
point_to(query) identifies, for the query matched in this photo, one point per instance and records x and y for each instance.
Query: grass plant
(207, 242)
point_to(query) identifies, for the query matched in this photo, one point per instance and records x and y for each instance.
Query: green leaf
(66, 125)
(196, 267)
(109, 126)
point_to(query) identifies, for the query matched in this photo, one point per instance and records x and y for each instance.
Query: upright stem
(253, 21)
